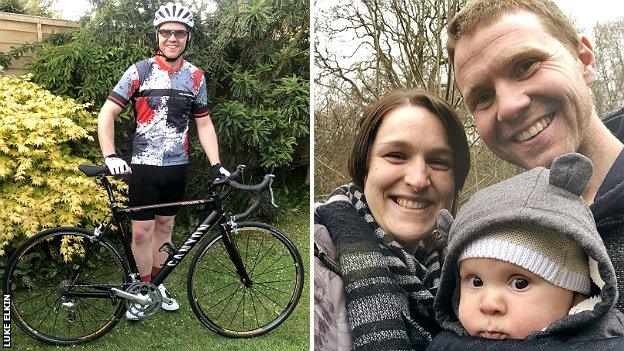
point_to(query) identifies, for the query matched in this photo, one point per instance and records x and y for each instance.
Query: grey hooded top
(543, 198)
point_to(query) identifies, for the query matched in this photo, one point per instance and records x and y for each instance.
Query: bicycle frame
(215, 217)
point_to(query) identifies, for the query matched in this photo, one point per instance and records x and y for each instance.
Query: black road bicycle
(70, 285)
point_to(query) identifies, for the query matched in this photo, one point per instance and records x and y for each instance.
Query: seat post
(109, 191)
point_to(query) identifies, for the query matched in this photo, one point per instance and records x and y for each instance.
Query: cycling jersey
(163, 99)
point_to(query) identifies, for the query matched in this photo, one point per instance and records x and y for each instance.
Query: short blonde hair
(477, 13)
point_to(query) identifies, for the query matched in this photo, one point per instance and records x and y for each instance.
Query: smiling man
(165, 91)
(524, 73)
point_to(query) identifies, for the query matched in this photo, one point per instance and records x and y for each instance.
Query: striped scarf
(389, 293)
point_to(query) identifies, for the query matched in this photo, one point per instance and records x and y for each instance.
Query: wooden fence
(16, 30)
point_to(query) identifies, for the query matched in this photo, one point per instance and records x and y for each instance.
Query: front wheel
(230, 308)
(59, 283)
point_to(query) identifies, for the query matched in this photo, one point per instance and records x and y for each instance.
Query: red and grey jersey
(163, 100)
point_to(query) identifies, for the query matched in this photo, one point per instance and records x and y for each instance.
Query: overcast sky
(585, 13)
(72, 9)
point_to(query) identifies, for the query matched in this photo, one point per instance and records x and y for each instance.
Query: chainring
(146, 289)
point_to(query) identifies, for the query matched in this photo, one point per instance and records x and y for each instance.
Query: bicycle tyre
(37, 273)
(275, 268)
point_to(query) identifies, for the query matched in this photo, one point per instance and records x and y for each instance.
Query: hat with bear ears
(539, 198)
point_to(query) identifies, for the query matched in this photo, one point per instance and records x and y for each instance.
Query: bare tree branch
(365, 48)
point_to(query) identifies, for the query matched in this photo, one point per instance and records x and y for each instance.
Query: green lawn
(181, 330)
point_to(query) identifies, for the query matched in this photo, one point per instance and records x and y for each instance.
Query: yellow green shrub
(43, 139)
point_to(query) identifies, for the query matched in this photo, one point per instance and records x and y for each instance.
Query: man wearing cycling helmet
(165, 91)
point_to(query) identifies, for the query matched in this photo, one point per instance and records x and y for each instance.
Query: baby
(518, 279)
(522, 261)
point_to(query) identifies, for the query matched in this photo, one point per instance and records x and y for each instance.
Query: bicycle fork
(226, 230)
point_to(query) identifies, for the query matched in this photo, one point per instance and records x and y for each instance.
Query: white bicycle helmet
(171, 12)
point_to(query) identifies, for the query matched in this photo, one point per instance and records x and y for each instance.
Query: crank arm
(142, 300)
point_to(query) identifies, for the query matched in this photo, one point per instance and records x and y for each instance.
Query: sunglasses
(166, 33)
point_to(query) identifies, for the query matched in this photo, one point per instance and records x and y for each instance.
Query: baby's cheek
(529, 322)
(539, 311)
(466, 316)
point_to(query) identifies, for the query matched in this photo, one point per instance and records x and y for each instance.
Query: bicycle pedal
(168, 300)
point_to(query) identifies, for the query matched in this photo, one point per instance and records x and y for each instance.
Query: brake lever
(220, 181)
(271, 192)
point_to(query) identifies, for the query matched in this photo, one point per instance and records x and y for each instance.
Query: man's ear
(587, 59)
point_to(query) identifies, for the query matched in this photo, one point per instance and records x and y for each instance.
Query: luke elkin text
(6, 321)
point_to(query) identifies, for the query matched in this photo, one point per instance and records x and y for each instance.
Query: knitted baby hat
(542, 251)
(534, 220)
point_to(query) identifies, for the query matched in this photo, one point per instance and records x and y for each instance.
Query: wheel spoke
(88, 311)
(271, 265)
(255, 310)
(92, 306)
(256, 255)
(271, 271)
(219, 272)
(34, 297)
(39, 310)
(263, 256)
(238, 307)
(269, 287)
(229, 298)
(247, 246)
(231, 271)
(54, 325)
(266, 310)
(248, 311)
(45, 311)
(268, 297)
(219, 288)
(94, 278)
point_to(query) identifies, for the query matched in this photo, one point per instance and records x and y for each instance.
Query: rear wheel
(232, 309)
(58, 298)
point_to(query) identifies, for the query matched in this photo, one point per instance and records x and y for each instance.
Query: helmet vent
(171, 12)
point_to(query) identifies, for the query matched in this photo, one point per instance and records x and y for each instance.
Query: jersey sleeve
(200, 104)
(126, 87)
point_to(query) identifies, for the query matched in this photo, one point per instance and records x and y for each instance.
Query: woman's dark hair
(374, 114)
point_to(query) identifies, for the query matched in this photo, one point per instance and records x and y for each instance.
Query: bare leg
(142, 237)
(162, 234)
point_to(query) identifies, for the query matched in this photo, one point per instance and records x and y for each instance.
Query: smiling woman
(410, 174)
(377, 259)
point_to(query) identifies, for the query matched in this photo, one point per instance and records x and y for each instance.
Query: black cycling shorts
(149, 185)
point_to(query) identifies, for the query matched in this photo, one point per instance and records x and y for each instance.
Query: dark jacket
(608, 211)
(449, 341)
